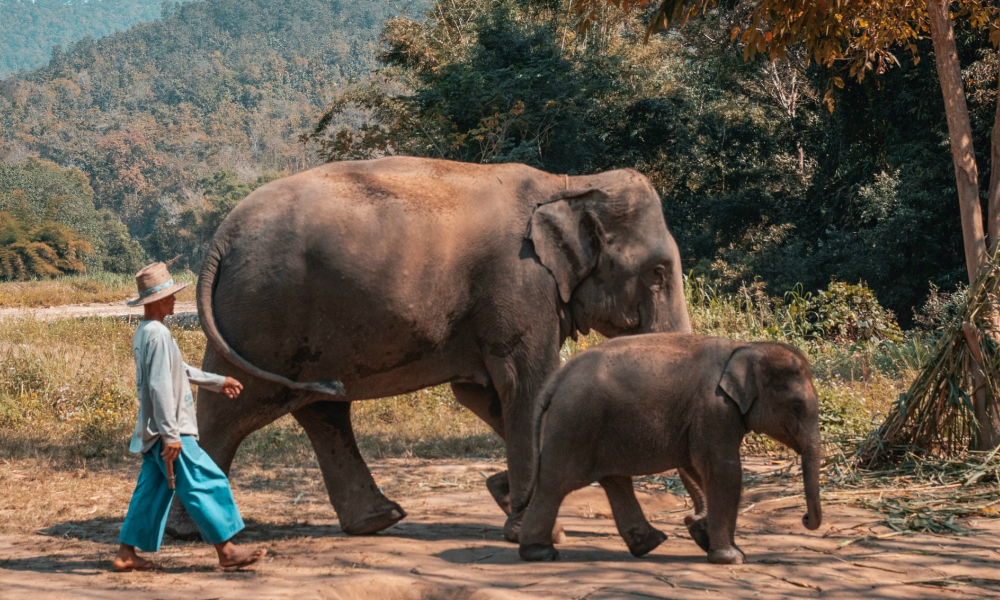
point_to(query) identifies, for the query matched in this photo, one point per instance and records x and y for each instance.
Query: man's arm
(200, 378)
(216, 383)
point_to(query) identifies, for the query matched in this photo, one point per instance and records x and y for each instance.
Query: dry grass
(67, 393)
(100, 288)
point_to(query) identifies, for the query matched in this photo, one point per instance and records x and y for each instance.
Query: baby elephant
(644, 404)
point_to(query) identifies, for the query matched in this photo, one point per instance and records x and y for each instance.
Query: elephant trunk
(811, 456)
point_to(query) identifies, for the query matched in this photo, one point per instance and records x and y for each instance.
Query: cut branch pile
(937, 415)
(924, 495)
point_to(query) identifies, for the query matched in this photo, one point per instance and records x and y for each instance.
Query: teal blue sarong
(202, 488)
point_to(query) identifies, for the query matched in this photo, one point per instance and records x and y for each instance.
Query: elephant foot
(727, 556)
(538, 552)
(512, 528)
(373, 523)
(499, 487)
(180, 525)
(641, 543)
(698, 529)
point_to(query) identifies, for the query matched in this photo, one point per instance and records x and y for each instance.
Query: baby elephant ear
(740, 380)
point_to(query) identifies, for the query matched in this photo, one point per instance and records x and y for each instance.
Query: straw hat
(154, 282)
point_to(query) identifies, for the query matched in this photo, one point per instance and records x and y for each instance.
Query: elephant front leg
(518, 376)
(640, 537)
(361, 507)
(517, 425)
(723, 487)
(484, 402)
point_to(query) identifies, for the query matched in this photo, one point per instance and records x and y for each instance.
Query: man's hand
(171, 451)
(232, 388)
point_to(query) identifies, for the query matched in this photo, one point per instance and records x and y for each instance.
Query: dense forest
(49, 226)
(31, 29)
(762, 184)
(175, 120)
(215, 94)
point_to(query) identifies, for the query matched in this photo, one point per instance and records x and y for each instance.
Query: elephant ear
(741, 378)
(567, 237)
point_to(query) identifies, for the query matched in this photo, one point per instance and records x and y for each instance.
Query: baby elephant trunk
(811, 457)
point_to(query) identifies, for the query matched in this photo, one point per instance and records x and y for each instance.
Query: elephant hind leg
(361, 508)
(697, 524)
(640, 537)
(222, 429)
(535, 530)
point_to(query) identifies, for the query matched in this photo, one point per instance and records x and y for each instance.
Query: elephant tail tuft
(207, 282)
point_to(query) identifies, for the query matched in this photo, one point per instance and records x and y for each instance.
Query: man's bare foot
(232, 557)
(127, 560)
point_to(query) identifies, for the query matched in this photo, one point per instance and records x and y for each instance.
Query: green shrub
(940, 309)
(842, 313)
(846, 413)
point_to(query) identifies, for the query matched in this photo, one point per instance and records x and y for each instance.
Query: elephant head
(615, 264)
(772, 386)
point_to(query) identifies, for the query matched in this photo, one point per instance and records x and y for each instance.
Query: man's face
(168, 305)
(163, 306)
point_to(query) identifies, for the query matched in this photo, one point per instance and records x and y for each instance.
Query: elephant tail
(207, 281)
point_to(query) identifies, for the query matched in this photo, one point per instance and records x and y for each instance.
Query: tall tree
(862, 37)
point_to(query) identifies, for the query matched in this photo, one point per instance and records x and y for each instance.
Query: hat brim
(170, 291)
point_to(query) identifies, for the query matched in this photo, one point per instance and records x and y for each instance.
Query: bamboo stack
(937, 415)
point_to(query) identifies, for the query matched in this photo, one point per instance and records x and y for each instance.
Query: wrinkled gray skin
(397, 274)
(644, 404)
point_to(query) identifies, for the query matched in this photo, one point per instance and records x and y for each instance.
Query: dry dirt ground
(58, 528)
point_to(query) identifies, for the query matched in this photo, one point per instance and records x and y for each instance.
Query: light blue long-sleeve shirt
(163, 382)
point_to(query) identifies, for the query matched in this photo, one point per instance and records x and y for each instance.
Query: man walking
(167, 433)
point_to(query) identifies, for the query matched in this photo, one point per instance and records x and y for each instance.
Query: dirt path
(450, 546)
(182, 310)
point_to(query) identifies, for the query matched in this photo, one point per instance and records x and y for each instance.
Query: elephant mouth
(628, 325)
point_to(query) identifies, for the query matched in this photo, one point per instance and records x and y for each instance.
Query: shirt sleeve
(200, 378)
(161, 388)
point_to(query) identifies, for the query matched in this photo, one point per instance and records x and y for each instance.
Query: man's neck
(154, 315)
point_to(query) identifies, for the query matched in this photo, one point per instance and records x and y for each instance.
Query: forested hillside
(30, 29)
(215, 94)
(762, 185)
(49, 226)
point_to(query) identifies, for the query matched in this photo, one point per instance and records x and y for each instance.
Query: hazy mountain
(221, 85)
(30, 29)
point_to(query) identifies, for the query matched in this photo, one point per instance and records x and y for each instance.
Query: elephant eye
(659, 277)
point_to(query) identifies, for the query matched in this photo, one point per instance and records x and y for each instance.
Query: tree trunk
(994, 191)
(966, 175)
(960, 133)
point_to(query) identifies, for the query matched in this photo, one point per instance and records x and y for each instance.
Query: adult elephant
(396, 274)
